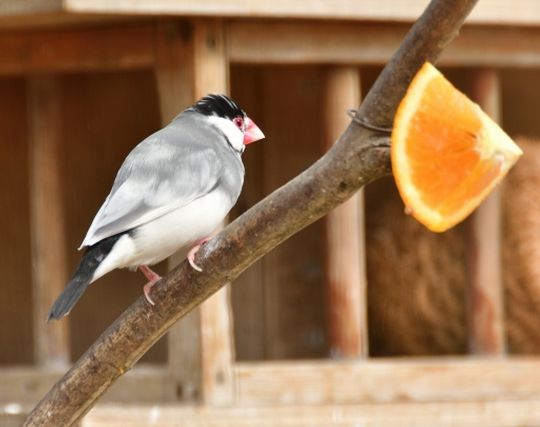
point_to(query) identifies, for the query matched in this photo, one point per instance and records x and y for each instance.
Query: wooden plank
(184, 351)
(484, 249)
(247, 293)
(304, 42)
(217, 349)
(191, 63)
(274, 42)
(144, 384)
(211, 75)
(325, 382)
(30, 7)
(440, 414)
(130, 46)
(47, 13)
(405, 380)
(523, 12)
(345, 255)
(49, 257)
(174, 77)
(54, 19)
(290, 99)
(16, 316)
(211, 60)
(174, 68)
(521, 271)
(104, 115)
(121, 47)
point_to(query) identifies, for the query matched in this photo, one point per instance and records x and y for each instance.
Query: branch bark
(360, 156)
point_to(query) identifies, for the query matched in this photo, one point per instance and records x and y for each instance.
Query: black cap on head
(218, 105)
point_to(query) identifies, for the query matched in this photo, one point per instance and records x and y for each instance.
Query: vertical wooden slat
(104, 115)
(247, 294)
(174, 77)
(485, 295)
(191, 63)
(174, 68)
(49, 258)
(345, 254)
(293, 309)
(17, 344)
(211, 75)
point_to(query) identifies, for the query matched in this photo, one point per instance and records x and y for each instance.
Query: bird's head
(223, 113)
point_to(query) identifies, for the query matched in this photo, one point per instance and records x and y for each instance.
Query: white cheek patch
(233, 134)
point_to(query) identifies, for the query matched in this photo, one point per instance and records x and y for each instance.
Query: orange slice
(447, 154)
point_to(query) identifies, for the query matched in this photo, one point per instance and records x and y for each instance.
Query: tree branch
(360, 156)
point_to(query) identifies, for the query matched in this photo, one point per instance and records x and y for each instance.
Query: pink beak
(252, 132)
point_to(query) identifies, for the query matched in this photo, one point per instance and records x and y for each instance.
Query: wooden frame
(522, 12)
(191, 59)
(485, 290)
(322, 382)
(444, 414)
(411, 380)
(187, 69)
(345, 253)
(136, 45)
(49, 258)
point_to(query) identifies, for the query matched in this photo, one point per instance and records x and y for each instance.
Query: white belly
(160, 238)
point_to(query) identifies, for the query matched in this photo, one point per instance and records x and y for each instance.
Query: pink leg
(152, 277)
(193, 251)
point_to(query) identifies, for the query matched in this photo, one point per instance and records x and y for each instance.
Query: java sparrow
(172, 191)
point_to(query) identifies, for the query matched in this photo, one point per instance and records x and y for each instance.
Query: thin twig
(358, 158)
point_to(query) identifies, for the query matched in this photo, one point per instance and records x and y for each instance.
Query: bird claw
(193, 251)
(146, 290)
(153, 278)
(193, 265)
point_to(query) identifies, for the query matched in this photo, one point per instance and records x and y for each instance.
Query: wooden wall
(417, 303)
(521, 92)
(415, 279)
(521, 251)
(104, 117)
(278, 303)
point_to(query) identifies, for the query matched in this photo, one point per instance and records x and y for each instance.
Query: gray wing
(163, 173)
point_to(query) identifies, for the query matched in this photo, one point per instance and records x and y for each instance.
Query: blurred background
(363, 317)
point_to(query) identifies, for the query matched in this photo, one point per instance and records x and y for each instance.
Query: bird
(173, 190)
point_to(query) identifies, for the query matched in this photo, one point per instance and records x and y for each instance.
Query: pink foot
(152, 277)
(193, 251)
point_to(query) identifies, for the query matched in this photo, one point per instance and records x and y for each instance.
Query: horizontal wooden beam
(131, 46)
(351, 382)
(145, 384)
(32, 7)
(298, 43)
(273, 42)
(479, 414)
(82, 49)
(521, 12)
(22, 19)
(319, 382)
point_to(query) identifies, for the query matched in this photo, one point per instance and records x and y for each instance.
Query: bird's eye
(239, 122)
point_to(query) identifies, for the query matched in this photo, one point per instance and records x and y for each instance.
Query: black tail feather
(69, 297)
(91, 260)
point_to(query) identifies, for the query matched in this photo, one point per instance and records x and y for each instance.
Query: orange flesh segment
(446, 153)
